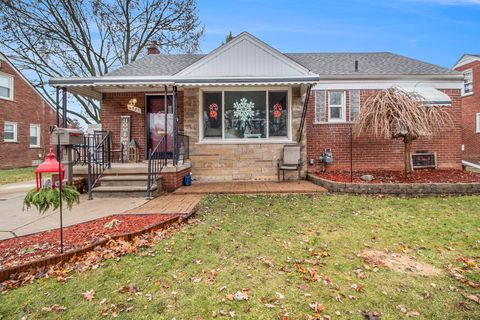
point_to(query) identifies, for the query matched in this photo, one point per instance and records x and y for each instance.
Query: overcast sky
(437, 31)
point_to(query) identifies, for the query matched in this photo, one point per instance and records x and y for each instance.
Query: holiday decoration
(213, 111)
(277, 111)
(243, 109)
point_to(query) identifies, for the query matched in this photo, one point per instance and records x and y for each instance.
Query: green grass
(17, 175)
(234, 231)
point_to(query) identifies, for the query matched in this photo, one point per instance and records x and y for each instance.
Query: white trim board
(379, 84)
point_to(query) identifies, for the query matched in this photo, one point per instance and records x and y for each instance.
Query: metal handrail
(156, 163)
(98, 161)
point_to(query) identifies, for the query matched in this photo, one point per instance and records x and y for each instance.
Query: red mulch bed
(418, 176)
(32, 247)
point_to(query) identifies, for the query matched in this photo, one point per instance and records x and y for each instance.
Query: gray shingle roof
(373, 63)
(157, 65)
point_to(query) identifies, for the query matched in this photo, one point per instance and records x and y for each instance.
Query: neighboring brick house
(243, 102)
(25, 119)
(469, 65)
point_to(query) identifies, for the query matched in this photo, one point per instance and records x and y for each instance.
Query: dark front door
(160, 123)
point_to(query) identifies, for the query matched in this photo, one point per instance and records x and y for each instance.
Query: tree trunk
(408, 150)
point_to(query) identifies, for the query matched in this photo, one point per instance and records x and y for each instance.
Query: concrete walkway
(16, 222)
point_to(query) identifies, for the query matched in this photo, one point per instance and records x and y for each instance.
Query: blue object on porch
(187, 180)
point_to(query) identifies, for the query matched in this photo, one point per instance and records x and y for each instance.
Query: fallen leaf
(88, 295)
(54, 308)
(473, 298)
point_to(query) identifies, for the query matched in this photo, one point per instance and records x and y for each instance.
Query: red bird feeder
(50, 165)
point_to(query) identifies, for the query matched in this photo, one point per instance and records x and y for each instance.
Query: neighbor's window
(336, 106)
(34, 135)
(260, 114)
(6, 85)
(468, 82)
(478, 123)
(10, 132)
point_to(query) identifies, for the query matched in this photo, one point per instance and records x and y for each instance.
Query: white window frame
(267, 140)
(15, 132)
(342, 106)
(37, 126)
(468, 71)
(477, 122)
(11, 84)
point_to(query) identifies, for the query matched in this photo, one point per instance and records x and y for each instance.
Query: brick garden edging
(65, 257)
(405, 189)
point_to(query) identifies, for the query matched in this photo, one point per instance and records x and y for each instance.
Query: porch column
(64, 107)
(175, 129)
(165, 144)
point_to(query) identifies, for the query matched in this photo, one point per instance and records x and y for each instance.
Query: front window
(468, 82)
(242, 115)
(10, 132)
(336, 106)
(34, 135)
(6, 85)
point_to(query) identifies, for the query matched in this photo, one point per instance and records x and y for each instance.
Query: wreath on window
(277, 111)
(213, 111)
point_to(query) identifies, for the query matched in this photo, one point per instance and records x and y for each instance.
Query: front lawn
(288, 255)
(17, 175)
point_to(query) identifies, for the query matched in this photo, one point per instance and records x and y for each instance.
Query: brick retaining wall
(409, 189)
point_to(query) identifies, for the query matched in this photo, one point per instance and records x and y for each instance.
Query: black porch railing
(90, 143)
(159, 156)
(98, 159)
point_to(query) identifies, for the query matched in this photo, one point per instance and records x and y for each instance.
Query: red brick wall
(173, 180)
(27, 107)
(114, 105)
(371, 153)
(470, 107)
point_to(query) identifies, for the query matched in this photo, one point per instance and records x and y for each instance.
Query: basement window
(477, 123)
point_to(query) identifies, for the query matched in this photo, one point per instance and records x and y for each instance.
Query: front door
(160, 123)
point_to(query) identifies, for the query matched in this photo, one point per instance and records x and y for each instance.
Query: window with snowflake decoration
(245, 115)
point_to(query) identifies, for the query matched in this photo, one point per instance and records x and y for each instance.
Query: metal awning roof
(431, 95)
(93, 87)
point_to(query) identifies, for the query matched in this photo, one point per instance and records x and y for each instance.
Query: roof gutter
(434, 77)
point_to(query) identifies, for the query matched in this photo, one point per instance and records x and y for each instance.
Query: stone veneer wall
(404, 189)
(226, 162)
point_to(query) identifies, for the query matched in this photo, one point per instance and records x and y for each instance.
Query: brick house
(469, 65)
(25, 117)
(225, 102)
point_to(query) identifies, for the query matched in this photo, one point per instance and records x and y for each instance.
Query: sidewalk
(16, 222)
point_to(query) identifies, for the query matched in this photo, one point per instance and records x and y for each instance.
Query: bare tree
(58, 38)
(396, 114)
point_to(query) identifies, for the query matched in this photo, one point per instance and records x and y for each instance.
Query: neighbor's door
(156, 123)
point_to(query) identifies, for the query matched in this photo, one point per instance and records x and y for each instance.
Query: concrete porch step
(121, 191)
(124, 180)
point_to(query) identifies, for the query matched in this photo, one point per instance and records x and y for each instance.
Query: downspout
(304, 113)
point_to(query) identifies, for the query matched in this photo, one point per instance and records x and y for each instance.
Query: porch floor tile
(250, 187)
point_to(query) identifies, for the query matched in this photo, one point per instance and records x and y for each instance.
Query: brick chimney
(153, 49)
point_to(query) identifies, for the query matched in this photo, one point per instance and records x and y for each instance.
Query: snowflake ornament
(243, 109)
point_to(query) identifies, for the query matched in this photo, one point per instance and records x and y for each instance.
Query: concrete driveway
(16, 222)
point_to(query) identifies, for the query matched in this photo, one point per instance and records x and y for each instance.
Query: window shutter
(354, 103)
(320, 96)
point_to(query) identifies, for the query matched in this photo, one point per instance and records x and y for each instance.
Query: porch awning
(94, 87)
(432, 95)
